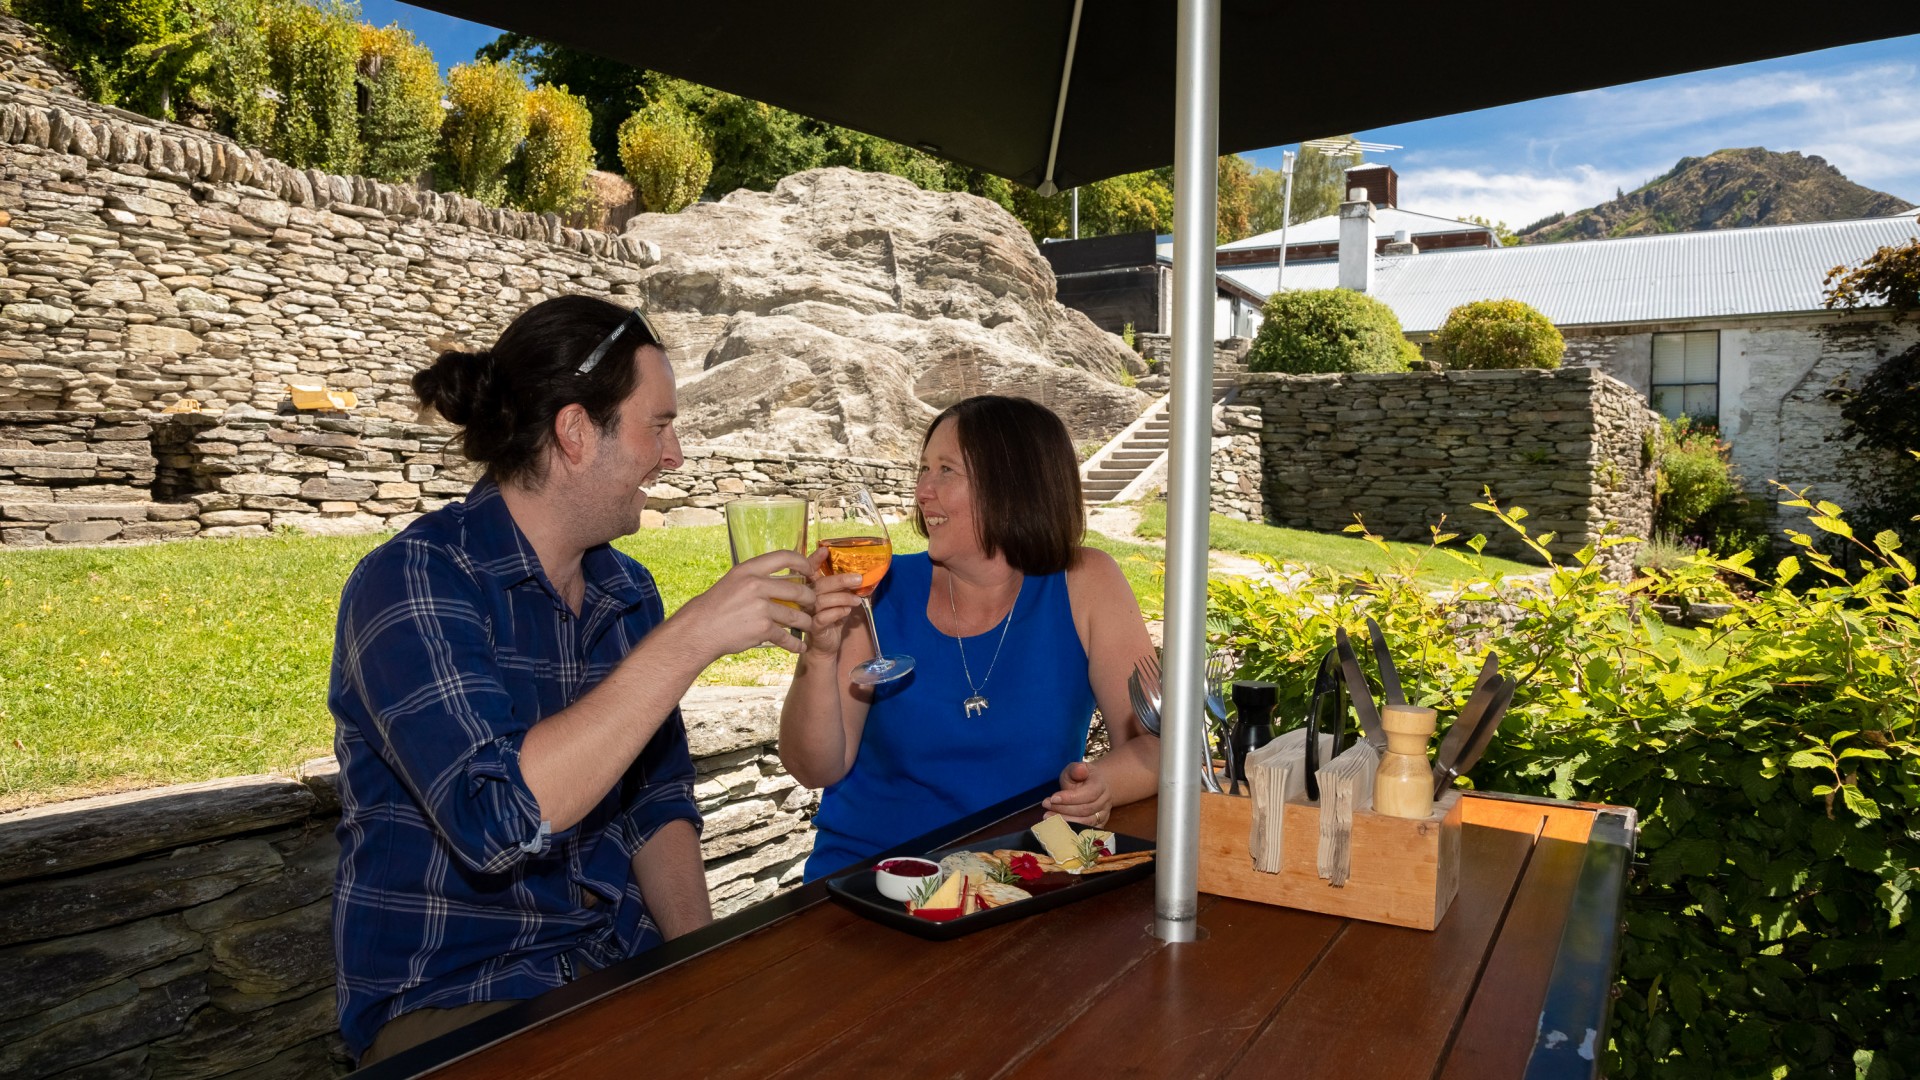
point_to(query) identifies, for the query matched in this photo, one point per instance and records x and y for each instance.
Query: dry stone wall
(185, 932)
(1574, 447)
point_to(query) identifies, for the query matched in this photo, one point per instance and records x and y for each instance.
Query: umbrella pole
(1196, 136)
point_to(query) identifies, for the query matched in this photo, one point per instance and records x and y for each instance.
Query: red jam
(909, 868)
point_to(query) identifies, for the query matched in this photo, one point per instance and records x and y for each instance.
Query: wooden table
(1516, 981)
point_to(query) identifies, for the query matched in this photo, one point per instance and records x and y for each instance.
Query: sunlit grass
(1348, 554)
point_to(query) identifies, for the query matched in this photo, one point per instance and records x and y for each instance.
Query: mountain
(1726, 189)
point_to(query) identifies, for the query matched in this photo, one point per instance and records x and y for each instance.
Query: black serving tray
(856, 890)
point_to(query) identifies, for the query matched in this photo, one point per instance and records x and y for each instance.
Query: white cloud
(1517, 198)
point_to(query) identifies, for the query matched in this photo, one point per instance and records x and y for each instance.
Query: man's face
(634, 453)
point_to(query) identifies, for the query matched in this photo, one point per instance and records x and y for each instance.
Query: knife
(1389, 677)
(1359, 690)
(1326, 687)
(1482, 735)
(1463, 725)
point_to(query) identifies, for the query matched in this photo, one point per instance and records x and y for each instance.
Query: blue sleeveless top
(922, 761)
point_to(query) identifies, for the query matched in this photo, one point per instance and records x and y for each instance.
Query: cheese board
(1054, 887)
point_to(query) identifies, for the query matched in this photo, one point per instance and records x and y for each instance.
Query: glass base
(882, 669)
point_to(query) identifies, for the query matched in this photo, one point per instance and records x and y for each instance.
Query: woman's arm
(823, 716)
(1114, 636)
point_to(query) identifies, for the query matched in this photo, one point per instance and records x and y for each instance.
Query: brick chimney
(1356, 242)
(1381, 183)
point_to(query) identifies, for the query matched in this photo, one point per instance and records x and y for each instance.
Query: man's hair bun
(455, 384)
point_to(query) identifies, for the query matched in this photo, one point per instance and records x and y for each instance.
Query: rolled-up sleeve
(416, 672)
(658, 787)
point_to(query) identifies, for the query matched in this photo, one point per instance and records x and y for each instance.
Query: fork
(1143, 688)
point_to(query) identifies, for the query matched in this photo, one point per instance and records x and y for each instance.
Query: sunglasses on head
(636, 319)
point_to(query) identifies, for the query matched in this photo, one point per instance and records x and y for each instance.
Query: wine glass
(757, 524)
(850, 527)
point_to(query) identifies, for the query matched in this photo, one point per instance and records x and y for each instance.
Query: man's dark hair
(505, 398)
(1025, 480)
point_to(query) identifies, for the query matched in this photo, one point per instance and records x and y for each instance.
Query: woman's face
(944, 493)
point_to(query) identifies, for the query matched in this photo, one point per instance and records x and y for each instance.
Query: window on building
(1686, 374)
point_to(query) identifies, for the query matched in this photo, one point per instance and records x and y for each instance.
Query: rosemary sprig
(924, 891)
(1002, 873)
(1088, 849)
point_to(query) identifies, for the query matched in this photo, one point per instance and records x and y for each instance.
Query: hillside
(1724, 190)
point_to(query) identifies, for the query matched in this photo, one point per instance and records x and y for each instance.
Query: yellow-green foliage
(484, 128)
(403, 115)
(1499, 334)
(558, 153)
(666, 157)
(312, 53)
(1314, 330)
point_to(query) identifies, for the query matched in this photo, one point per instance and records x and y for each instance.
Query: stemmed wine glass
(850, 527)
(757, 524)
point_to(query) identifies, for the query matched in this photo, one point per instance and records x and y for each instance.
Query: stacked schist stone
(1403, 450)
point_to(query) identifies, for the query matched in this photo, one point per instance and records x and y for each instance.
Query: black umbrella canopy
(978, 81)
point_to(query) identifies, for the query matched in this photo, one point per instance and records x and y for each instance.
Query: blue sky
(1858, 107)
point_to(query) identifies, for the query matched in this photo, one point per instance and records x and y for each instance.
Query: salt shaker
(1403, 787)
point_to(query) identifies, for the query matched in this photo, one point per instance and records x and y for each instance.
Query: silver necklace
(977, 703)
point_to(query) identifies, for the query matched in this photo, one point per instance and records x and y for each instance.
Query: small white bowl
(901, 887)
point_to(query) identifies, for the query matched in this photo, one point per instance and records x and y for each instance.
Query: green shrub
(1498, 334)
(1883, 415)
(558, 153)
(1311, 330)
(1772, 758)
(483, 129)
(666, 157)
(96, 40)
(313, 54)
(401, 124)
(1695, 494)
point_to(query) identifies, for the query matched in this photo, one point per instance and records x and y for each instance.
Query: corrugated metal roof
(1387, 220)
(1763, 270)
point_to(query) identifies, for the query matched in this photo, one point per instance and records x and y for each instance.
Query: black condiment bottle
(1253, 704)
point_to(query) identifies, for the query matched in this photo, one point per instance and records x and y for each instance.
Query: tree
(1499, 334)
(1233, 214)
(666, 157)
(1314, 330)
(1499, 229)
(313, 54)
(483, 129)
(1269, 201)
(558, 154)
(401, 90)
(613, 91)
(1890, 277)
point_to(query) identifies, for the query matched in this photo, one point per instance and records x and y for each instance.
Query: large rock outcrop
(845, 309)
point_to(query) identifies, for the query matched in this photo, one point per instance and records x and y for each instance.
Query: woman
(1017, 633)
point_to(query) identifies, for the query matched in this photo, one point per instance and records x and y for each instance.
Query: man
(516, 790)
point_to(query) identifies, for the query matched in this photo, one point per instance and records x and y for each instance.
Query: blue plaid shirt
(451, 644)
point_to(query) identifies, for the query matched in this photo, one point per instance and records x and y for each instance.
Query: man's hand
(1083, 796)
(743, 610)
(834, 603)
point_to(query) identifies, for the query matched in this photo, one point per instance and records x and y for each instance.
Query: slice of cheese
(948, 895)
(1058, 838)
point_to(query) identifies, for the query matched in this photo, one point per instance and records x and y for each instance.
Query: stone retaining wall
(142, 263)
(83, 477)
(1573, 447)
(185, 932)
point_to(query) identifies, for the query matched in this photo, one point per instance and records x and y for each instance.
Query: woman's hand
(834, 603)
(1083, 796)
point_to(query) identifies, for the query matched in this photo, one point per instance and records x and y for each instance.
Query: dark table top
(1514, 982)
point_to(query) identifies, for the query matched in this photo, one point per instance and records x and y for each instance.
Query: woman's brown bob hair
(1025, 480)
(505, 398)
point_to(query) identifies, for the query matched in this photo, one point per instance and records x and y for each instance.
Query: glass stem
(874, 633)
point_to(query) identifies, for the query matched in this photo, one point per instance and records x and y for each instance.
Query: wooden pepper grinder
(1403, 787)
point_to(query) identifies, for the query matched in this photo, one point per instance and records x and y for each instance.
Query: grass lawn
(127, 667)
(1349, 554)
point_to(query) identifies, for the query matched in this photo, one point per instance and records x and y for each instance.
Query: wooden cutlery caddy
(1404, 872)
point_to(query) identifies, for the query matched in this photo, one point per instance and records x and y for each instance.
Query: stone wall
(86, 477)
(1402, 450)
(185, 932)
(142, 263)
